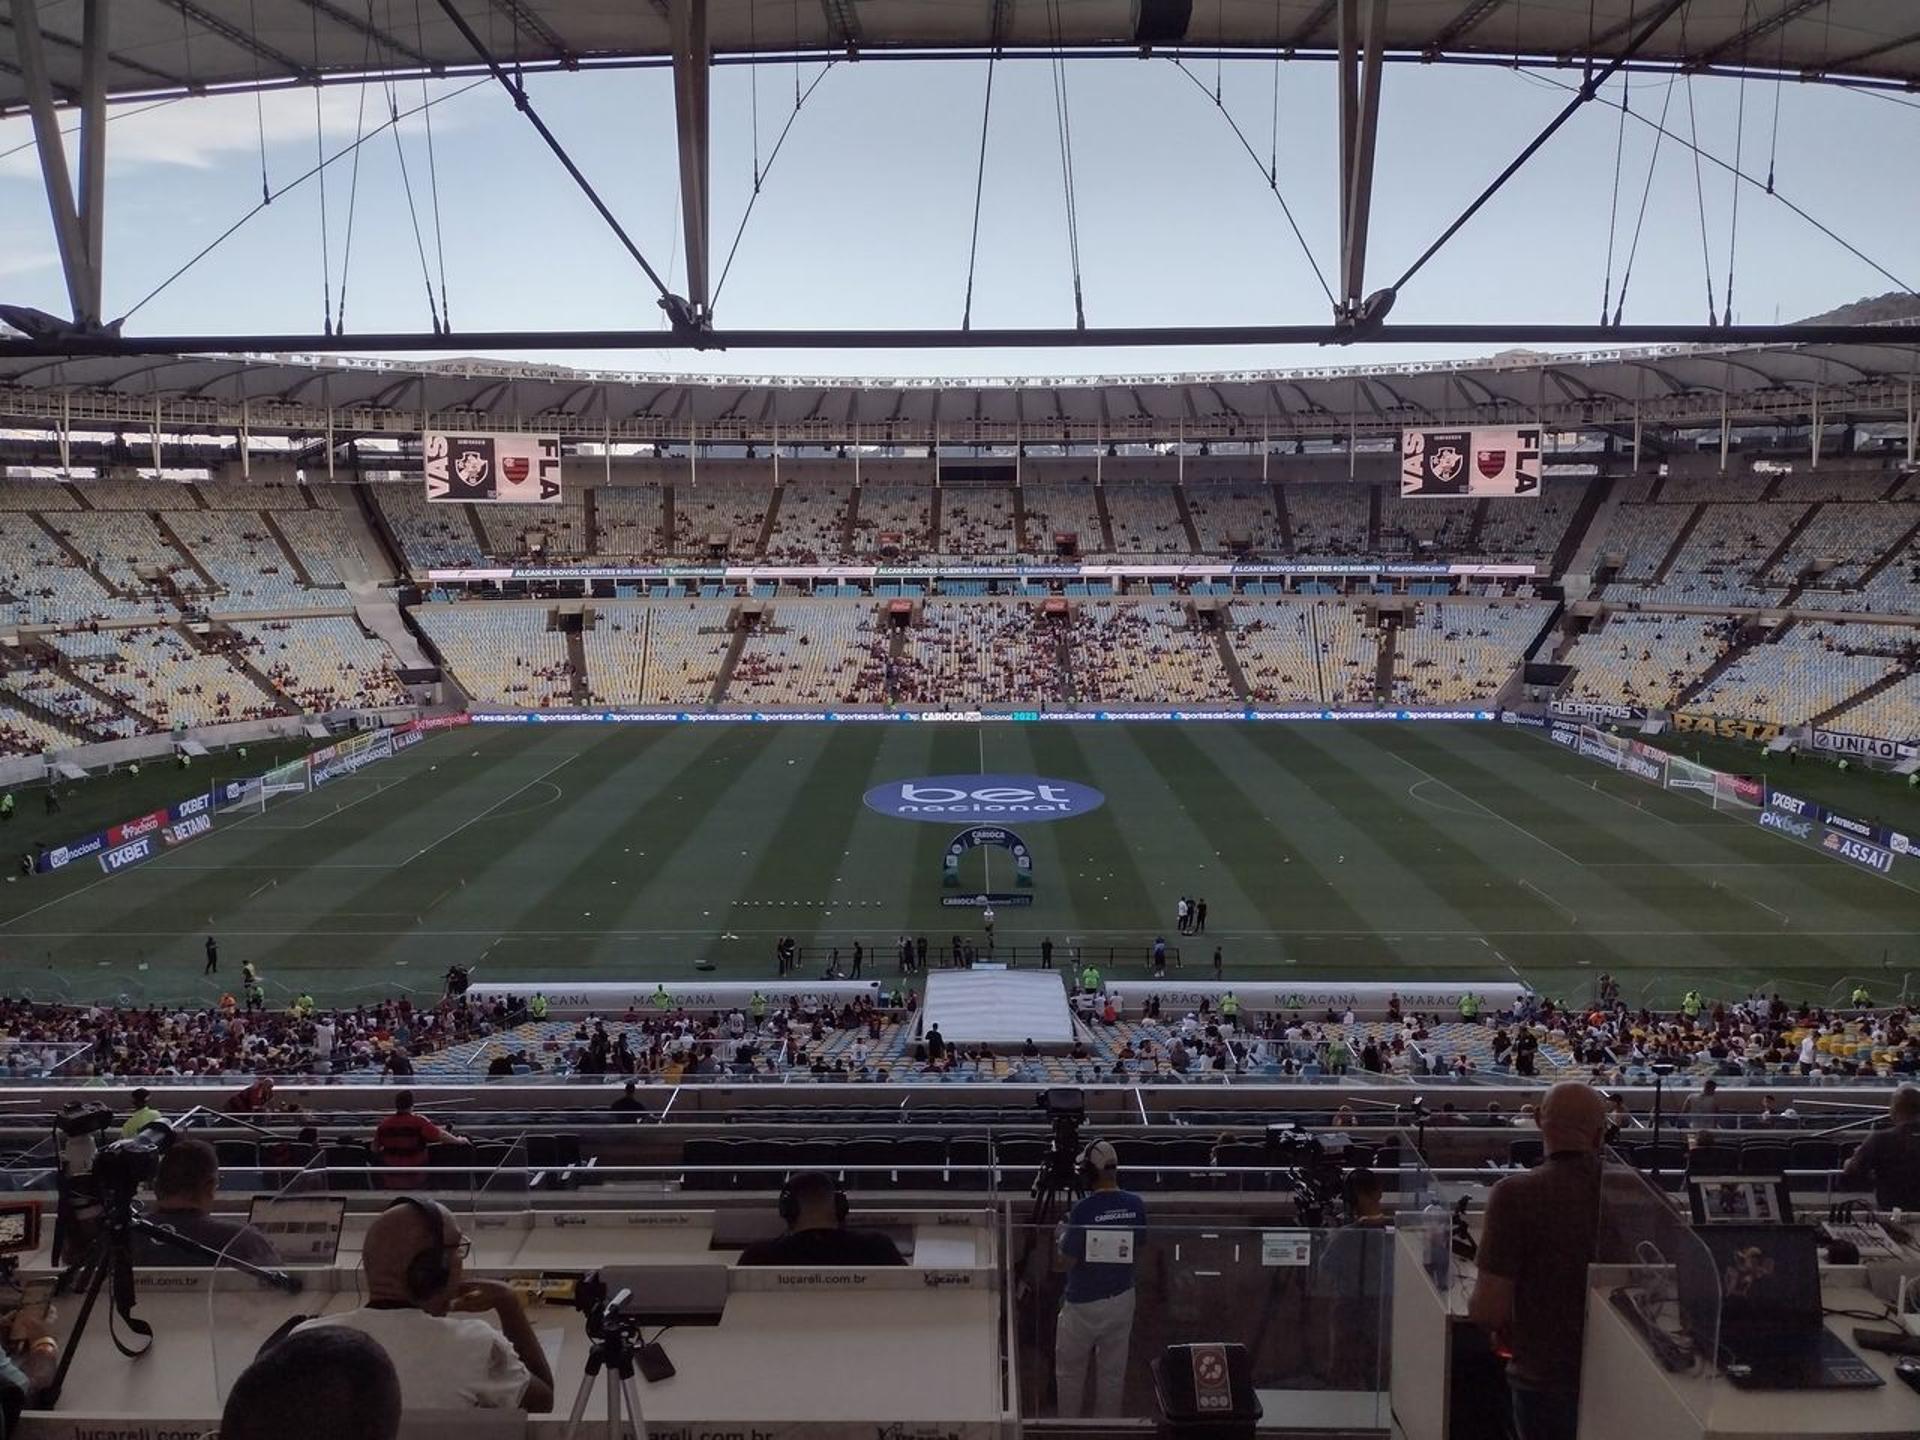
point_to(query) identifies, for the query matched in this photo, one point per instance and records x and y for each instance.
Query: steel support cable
(299, 180)
(1063, 129)
(413, 211)
(1700, 198)
(1739, 150)
(1741, 175)
(259, 105)
(1273, 184)
(320, 155)
(1646, 192)
(29, 144)
(1273, 150)
(1619, 151)
(433, 176)
(772, 155)
(979, 189)
(1585, 92)
(525, 107)
(753, 89)
(353, 189)
(1779, 78)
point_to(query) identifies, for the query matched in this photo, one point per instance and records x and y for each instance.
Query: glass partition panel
(1656, 1292)
(1094, 1306)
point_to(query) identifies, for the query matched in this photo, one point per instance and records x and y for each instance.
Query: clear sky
(864, 218)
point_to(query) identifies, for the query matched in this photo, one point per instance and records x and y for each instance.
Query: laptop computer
(305, 1229)
(1764, 1280)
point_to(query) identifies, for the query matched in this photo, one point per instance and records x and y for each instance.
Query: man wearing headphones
(425, 1315)
(815, 1210)
(1890, 1158)
(1098, 1243)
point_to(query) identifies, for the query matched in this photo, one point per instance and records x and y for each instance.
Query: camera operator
(1096, 1313)
(447, 1361)
(815, 1210)
(184, 1182)
(1540, 1234)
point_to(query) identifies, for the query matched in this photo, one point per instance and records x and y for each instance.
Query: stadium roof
(1666, 386)
(197, 46)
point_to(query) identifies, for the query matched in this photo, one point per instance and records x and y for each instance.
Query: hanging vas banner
(491, 468)
(1473, 464)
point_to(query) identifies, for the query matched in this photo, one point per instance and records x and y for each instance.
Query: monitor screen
(1739, 1200)
(305, 1230)
(1766, 1277)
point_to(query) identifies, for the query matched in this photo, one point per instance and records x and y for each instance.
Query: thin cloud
(202, 134)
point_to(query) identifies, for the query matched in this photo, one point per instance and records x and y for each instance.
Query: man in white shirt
(447, 1361)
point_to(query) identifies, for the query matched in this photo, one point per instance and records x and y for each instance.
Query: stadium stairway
(1834, 712)
(66, 671)
(1383, 672)
(933, 521)
(1280, 510)
(590, 519)
(1899, 548)
(291, 555)
(769, 520)
(72, 551)
(577, 662)
(373, 536)
(1230, 662)
(1680, 539)
(479, 531)
(172, 537)
(850, 530)
(1020, 520)
(1185, 512)
(1474, 526)
(378, 613)
(1579, 548)
(1106, 518)
(1786, 543)
(1749, 637)
(247, 669)
(667, 521)
(1373, 519)
(736, 642)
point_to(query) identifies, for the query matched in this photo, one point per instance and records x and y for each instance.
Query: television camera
(1314, 1168)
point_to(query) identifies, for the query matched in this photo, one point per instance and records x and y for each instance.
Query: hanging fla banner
(491, 467)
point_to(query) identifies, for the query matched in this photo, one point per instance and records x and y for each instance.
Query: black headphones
(789, 1202)
(427, 1272)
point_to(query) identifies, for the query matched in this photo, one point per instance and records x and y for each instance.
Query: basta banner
(1759, 731)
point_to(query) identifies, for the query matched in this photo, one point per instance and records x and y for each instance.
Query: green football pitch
(1356, 851)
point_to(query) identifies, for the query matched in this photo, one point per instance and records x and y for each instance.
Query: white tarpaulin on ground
(999, 1007)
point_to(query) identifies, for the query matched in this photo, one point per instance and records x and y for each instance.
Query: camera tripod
(610, 1360)
(110, 1258)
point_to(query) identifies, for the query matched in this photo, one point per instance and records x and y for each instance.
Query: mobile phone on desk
(653, 1363)
(1908, 1373)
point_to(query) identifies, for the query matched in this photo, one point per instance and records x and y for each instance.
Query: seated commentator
(816, 1214)
(184, 1182)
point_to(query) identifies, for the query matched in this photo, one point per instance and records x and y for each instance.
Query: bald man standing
(424, 1314)
(1538, 1239)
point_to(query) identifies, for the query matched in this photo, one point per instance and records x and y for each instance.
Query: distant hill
(1894, 305)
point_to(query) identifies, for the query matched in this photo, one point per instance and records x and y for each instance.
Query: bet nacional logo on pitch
(1028, 799)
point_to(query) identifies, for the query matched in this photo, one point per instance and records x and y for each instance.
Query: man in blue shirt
(1099, 1244)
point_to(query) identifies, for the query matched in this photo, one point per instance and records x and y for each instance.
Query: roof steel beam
(365, 27)
(842, 22)
(1611, 336)
(1739, 41)
(692, 69)
(83, 291)
(1363, 26)
(1310, 27)
(1474, 15)
(234, 35)
(526, 18)
(58, 41)
(1839, 65)
(92, 199)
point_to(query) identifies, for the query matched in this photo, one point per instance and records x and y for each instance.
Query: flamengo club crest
(1490, 462)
